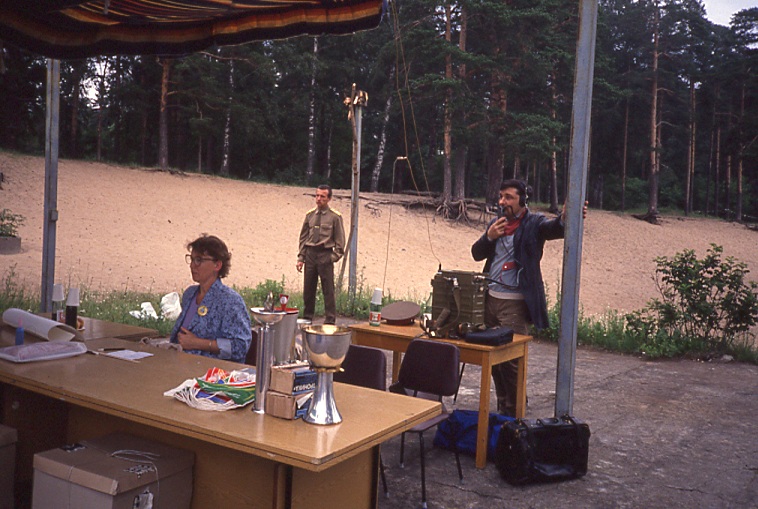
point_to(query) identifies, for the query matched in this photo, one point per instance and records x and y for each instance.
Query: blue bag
(459, 432)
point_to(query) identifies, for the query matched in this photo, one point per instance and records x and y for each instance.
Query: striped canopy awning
(78, 28)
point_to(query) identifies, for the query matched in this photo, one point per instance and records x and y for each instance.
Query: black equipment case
(542, 450)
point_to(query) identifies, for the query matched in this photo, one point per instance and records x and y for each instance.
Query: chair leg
(423, 471)
(402, 450)
(460, 377)
(458, 463)
(384, 477)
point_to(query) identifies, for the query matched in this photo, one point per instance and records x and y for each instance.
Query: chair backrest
(430, 367)
(252, 352)
(364, 366)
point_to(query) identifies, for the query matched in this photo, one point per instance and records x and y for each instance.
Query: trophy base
(323, 409)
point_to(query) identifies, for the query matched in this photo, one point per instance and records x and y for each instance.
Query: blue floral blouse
(226, 321)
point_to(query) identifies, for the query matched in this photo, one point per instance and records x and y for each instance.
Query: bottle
(58, 304)
(20, 334)
(72, 307)
(375, 308)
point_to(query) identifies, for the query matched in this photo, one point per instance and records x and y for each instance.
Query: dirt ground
(127, 228)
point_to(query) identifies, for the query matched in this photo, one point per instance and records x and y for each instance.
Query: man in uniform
(513, 246)
(322, 242)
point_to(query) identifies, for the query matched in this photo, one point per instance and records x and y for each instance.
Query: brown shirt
(322, 228)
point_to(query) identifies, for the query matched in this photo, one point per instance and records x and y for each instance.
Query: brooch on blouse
(202, 310)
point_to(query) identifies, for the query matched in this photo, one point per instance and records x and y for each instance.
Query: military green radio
(457, 298)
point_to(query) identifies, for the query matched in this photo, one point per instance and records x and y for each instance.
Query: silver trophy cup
(326, 346)
(265, 353)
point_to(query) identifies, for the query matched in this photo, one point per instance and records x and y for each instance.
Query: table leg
(521, 384)
(396, 360)
(484, 414)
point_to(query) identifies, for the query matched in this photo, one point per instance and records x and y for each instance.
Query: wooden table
(242, 459)
(97, 329)
(397, 338)
(94, 329)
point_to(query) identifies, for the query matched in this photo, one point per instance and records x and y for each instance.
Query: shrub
(706, 306)
(10, 223)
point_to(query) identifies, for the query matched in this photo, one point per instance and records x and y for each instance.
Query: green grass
(607, 331)
(115, 305)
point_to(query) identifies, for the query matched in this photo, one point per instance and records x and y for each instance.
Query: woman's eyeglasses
(197, 260)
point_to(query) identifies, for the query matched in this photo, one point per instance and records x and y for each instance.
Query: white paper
(40, 326)
(130, 355)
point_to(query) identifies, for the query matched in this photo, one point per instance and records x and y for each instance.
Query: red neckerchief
(511, 226)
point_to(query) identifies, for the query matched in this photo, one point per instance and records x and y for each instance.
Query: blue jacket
(227, 321)
(528, 243)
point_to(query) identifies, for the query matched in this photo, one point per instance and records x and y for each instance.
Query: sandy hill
(126, 228)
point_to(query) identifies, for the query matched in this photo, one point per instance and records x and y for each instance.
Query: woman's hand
(189, 341)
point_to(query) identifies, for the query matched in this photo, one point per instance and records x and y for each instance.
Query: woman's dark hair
(210, 245)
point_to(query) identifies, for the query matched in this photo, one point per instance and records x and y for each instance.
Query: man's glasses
(197, 260)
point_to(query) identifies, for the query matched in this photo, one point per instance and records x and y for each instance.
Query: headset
(522, 187)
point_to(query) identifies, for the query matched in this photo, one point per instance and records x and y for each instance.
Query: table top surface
(134, 391)
(410, 332)
(93, 329)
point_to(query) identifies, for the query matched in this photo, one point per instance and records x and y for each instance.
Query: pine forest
(460, 95)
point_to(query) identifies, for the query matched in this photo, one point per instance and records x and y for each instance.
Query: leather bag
(542, 450)
(495, 336)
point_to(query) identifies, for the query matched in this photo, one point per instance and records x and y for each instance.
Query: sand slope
(125, 227)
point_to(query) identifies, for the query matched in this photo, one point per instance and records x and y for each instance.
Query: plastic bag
(147, 311)
(171, 306)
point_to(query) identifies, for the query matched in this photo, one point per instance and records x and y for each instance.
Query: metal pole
(572, 246)
(352, 279)
(51, 184)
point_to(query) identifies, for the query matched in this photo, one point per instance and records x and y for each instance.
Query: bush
(706, 307)
(10, 223)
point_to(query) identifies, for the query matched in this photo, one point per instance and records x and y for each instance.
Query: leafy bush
(707, 306)
(10, 223)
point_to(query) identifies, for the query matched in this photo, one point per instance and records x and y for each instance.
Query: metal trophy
(265, 355)
(327, 347)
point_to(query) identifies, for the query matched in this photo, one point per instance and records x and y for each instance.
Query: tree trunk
(652, 209)
(447, 187)
(228, 125)
(461, 155)
(717, 171)
(382, 138)
(76, 90)
(163, 120)
(740, 151)
(553, 153)
(690, 152)
(624, 155)
(711, 149)
(309, 168)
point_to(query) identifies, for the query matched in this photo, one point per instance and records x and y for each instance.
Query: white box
(117, 471)
(8, 439)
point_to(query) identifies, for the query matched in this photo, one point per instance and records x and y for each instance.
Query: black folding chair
(365, 367)
(429, 369)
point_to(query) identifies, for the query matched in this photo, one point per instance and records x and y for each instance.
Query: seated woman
(214, 321)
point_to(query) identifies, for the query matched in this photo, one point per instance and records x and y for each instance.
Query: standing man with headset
(322, 242)
(513, 246)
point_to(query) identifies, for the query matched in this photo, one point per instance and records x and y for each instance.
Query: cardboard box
(117, 471)
(287, 406)
(295, 378)
(8, 439)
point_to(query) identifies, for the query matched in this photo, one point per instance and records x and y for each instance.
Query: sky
(720, 11)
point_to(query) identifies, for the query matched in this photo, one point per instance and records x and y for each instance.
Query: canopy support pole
(50, 216)
(577, 184)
